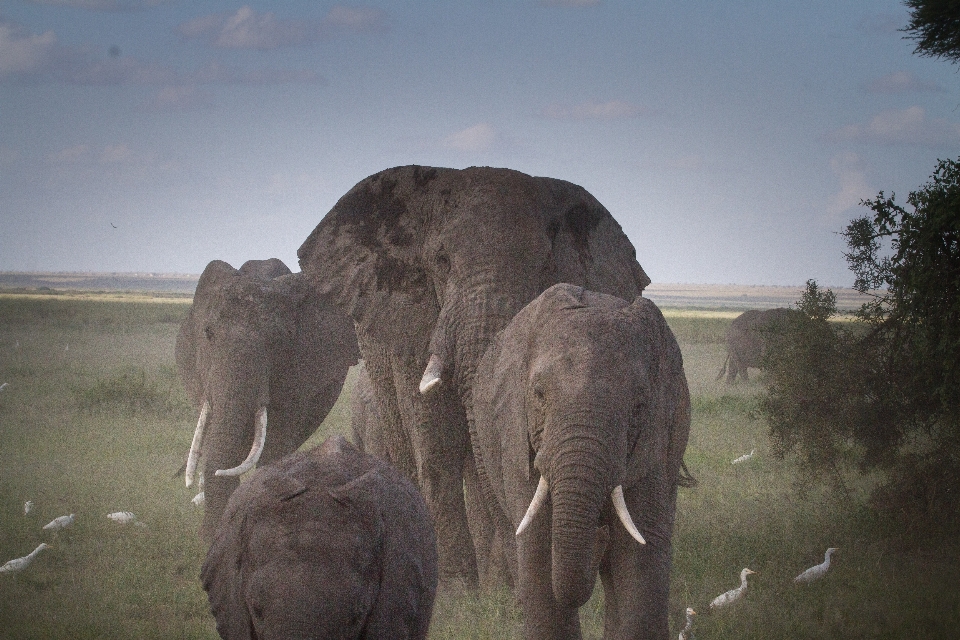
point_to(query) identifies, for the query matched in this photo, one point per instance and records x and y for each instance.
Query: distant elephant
(582, 414)
(431, 263)
(329, 543)
(748, 337)
(257, 342)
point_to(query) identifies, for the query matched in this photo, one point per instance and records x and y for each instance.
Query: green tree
(935, 26)
(883, 392)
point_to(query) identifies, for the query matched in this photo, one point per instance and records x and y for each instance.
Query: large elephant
(257, 342)
(582, 414)
(748, 337)
(431, 263)
(330, 543)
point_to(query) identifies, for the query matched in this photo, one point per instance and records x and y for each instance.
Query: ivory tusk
(259, 438)
(431, 375)
(538, 499)
(621, 507)
(194, 454)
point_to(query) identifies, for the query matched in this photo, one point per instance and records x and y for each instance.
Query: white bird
(687, 632)
(27, 507)
(817, 571)
(733, 595)
(19, 564)
(198, 499)
(744, 457)
(59, 523)
(123, 517)
(4, 385)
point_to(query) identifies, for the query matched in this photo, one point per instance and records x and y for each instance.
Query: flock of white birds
(733, 595)
(62, 522)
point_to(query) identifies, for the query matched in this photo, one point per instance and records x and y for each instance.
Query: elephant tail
(724, 369)
(684, 477)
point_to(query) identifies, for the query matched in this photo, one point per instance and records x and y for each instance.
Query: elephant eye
(443, 261)
(208, 331)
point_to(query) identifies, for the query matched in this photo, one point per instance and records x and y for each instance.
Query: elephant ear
(669, 401)
(365, 255)
(589, 246)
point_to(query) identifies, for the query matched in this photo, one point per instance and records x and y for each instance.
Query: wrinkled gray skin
(329, 543)
(433, 263)
(255, 337)
(364, 418)
(588, 391)
(747, 339)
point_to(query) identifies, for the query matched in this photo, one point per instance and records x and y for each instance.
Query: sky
(732, 141)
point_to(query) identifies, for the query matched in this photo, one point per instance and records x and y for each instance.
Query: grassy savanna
(93, 420)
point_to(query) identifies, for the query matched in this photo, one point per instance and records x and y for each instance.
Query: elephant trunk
(578, 488)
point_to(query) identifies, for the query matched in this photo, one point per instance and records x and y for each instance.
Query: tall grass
(93, 421)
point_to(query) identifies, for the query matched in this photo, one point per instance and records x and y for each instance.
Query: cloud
(612, 110)
(178, 98)
(849, 169)
(103, 5)
(23, 54)
(900, 82)
(909, 126)
(480, 137)
(882, 23)
(248, 29)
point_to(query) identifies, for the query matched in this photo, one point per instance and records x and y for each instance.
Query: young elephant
(748, 337)
(331, 543)
(582, 417)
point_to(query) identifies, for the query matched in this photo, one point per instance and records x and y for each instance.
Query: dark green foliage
(883, 392)
(935, 26)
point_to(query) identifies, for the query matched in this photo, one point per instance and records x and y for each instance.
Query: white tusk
(621, 507)
(194, 454)
(431, 375)
(538, 499)
(259, 438)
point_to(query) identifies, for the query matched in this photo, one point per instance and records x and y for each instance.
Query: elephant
(582, 414)
(431, 263)
(256, 342)
(328, 543)
(748, 337)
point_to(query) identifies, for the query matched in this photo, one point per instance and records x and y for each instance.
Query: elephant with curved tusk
(748, 337)
(263, 360)
(431, 263)
(328, 543)
(582, 414)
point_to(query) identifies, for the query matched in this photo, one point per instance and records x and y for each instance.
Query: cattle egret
(4, 386)
(19, 564)
(198, 499)
(817, 571)
(733, 595)
(744, 457)
(27, 507)
(59, 523)
(123, 517)
(687, 632)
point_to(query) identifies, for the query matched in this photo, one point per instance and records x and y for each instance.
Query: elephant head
(437, 261)
(583, 396)
(263, 361)
(329, 543)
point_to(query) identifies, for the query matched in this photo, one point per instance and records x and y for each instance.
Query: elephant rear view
(263, 360)
(748, 337)
(330, 543)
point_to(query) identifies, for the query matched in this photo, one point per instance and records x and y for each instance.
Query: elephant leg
(489, 540)
(635, 577)
(542, 618)
(733, 370)
(438, 433)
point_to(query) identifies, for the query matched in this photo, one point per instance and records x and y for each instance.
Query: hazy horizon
(732, 142)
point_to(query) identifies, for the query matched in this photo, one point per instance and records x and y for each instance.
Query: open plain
(93, 420)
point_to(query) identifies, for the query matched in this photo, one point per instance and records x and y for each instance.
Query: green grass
(93, 420)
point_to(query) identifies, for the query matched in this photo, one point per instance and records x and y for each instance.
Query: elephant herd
(520, 416)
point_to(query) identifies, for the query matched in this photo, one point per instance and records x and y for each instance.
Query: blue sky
(732, 141)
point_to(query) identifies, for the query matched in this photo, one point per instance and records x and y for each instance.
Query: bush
(131, 391)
